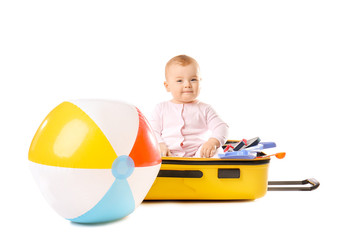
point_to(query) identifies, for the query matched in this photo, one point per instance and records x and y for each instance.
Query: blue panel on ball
(117, 203)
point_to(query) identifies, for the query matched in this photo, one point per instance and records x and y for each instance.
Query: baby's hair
(182, 60)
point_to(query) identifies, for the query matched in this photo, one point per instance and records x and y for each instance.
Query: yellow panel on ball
(68, 137)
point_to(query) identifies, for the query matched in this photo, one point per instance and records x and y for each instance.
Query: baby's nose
(187, 84)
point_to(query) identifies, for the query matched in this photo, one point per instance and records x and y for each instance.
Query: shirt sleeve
(219, 129)
(155, 121)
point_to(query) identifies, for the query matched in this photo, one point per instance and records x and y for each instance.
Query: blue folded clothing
(261, 146)
(243, 154)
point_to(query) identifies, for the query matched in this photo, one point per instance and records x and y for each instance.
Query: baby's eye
(194, 80)
(179, 80)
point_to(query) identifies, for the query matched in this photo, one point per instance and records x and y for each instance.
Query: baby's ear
(167, 86)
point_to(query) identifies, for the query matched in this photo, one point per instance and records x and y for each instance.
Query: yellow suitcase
(217, 179)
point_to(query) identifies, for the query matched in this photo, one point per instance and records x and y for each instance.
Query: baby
(184, 126)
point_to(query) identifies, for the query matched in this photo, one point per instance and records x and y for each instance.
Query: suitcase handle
(312, 181)
(230, 173)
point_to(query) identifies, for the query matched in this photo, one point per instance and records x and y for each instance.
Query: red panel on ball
(145, 151)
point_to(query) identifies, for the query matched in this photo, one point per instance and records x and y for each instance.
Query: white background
(285, 71)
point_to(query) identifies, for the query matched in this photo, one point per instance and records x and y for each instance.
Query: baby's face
(183, 82)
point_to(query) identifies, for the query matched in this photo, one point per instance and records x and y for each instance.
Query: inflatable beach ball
(94, 160)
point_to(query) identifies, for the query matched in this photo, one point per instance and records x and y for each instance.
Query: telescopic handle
(314, 184)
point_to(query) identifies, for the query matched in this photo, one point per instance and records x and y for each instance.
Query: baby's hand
(209, 148)
(165, 152)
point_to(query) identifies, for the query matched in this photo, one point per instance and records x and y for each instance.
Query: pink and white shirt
(185, 127)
